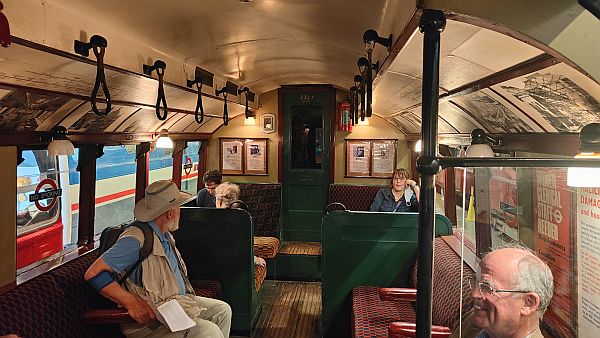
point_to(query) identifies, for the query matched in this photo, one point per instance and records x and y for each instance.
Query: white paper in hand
(175, 316)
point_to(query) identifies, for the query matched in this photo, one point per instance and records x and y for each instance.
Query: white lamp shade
(584, 177)
(60, 147)
(480, 150)
(250, 121)
(363, 123)
(418, 146)
(164, 142)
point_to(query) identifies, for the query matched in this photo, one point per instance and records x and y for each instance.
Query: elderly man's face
(498, 313)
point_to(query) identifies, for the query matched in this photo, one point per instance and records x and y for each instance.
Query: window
(161, 165)
(189, 170)
(39, 229)
(115, 187)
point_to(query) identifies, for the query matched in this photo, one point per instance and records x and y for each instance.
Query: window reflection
(307, 137)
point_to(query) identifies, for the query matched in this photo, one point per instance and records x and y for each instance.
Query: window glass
(39, 229)
(307, 137)
(34, 211)
(465, 205)
(161, 165)
(115, 187)
(189, 170)
(536, 207)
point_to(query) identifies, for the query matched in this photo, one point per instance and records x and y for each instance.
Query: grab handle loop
(98, 44)
(225, 114)
(100, 81)
(199, 106)
(160, 67)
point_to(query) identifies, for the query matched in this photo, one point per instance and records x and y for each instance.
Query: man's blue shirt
(126, 251)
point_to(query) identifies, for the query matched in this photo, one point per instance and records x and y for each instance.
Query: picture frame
(267, 123)
(358, 158)
(383, 158)
(255, 156)
(231, 156)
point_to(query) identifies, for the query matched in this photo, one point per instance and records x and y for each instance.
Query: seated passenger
(511, 293)
(206, 196)
(401, 196)
(161, 277)
(226, 194)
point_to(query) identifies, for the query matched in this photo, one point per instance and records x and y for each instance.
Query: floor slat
(290, 309)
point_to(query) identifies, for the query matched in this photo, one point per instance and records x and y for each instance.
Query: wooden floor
(290, 309)
(301, 248)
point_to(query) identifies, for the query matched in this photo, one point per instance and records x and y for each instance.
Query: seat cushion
(353, 197)
(260, 272)
(372, 316)
(266, 247)
(206, 288)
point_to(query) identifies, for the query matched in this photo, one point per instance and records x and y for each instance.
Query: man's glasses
(487, 289)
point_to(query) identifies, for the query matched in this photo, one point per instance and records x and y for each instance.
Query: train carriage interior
(310, 107)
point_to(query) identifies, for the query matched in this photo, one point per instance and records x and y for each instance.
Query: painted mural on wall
(494, 116)
(562, 98)
(23, 111)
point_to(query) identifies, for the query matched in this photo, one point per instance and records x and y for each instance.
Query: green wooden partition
(365, 248)
(217, 244)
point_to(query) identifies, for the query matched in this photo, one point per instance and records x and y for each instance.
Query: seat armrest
(404, 329)
(107, 316)
(406, 294)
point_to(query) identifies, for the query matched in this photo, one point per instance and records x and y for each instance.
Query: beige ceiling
(260, 44)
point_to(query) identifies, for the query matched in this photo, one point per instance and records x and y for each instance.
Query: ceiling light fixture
(164, 141)
(590, 148)
(60, 144)
(479, 144)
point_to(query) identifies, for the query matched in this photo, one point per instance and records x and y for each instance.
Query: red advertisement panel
(552, 203)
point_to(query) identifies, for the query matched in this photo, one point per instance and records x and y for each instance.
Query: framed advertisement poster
(231, 156)
(383, 159)
(255, 157)
(358, 158)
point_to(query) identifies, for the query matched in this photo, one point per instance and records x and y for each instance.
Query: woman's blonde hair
(402, 173)
(227, 192)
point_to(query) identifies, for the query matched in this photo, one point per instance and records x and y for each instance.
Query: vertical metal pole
(432, 23)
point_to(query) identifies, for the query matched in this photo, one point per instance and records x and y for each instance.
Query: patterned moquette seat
(264, 205)
(353, 197)
(260, 272)
(370, 314)
(206, 288)
(266, 247)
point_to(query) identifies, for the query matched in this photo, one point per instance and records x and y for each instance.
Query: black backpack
(110, 236)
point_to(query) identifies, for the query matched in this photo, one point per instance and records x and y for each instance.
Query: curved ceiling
(487, 80)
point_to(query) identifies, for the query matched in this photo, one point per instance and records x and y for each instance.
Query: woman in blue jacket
(401, 196)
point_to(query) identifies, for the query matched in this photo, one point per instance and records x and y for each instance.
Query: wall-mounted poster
(358, 158)
(231, 156)
(552, 207)
(383, 161)
(588, 261)
(256, 157)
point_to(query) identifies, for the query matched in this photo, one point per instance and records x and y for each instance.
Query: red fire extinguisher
(345, 123)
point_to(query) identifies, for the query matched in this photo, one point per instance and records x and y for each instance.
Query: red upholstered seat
(372, 316)
(260, 273)
(353, 197)
(264, 205)
(207, 288)
(370, 313)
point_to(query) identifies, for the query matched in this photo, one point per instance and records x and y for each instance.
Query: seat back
(365, 248)
(353, 197)
(447, 285)
(218, 244)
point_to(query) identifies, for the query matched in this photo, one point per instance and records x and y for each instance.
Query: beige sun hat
(160, 196)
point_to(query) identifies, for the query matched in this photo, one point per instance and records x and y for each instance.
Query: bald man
(512, 290)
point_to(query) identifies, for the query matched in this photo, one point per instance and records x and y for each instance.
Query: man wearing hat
(159, 278)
